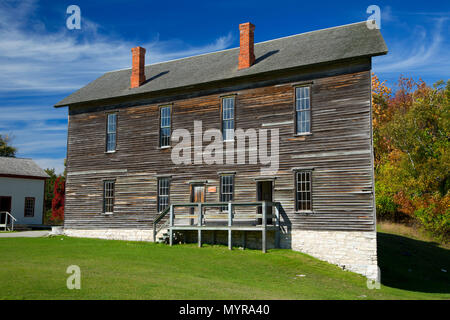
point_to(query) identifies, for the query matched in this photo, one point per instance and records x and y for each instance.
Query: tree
(5, 149)
(412, 147)
(48, 194)
(58, 200)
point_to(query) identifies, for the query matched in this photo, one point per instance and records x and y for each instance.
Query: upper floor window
(29, 207)
(226, 188)
(108, 196)
(228, 118)
(303, 190)
(111, 128)
(165, 126)
(163, 193)
(302, 110)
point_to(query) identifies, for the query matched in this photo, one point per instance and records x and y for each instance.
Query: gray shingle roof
(327, 45)
(21, 167)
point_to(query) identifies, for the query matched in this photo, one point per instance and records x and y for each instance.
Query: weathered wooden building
(310, 93)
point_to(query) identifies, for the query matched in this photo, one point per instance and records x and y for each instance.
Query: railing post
(199, 223)
(171, 225)
(154, 231)
(6, 221)
(277, 225)
(264, 224)
(230, 223)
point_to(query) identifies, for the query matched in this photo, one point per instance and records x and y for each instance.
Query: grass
(35, 268)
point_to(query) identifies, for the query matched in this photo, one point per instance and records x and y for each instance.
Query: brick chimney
(137, 68)
(246, 52)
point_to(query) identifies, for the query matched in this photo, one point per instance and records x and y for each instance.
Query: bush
(435, 218)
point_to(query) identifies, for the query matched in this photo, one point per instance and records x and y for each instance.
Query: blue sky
(41, 61)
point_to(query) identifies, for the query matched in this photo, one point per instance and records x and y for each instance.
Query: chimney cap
(247, 25)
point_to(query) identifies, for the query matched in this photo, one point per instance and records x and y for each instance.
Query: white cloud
(37, 63)
(33, 59)
(423, 51)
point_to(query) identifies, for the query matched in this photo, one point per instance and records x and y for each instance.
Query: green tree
(412, 176)
(6, 150)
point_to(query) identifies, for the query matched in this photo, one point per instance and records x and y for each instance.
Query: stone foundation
(351, 250)
(112, 234)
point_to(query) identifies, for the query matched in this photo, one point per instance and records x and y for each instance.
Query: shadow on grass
(414, 265)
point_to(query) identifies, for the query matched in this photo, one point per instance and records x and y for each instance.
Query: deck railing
(198, 212)
(11, 220)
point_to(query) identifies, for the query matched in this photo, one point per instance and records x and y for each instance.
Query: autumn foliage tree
(58, 200)
(412, 150)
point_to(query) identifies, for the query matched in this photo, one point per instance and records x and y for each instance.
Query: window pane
(108, 197)
(228, 118)
(165, 129)
(226, 189)
(302, 106)
(111, 132)
(303, 189)
(163, 193)
(29, 207)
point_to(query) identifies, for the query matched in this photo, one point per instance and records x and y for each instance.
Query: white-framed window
(108, 196)
(29, 207)
(165, 126)
(303, 190)
(111, 129)
(226, 189)
(228, 118)
(302, 110)
(163, 193)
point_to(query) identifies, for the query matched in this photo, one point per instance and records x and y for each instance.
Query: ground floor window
(303, 190)
(29, 207)
(163, 193)
(108, 196)
(226, 189)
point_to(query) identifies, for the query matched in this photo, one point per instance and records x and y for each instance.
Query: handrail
(158, 219)
(6, 220)
(230, 205)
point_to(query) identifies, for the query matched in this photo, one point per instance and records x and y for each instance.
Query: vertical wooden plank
(264, 230)
(199, 224)
(277, 226)
(230, 223)
(171, 225)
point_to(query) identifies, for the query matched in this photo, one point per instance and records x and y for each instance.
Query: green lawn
(35, 268)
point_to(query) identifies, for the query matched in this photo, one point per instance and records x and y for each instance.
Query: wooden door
(197, 195)
(264, 193)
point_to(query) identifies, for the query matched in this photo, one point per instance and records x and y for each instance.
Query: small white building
(22, 185)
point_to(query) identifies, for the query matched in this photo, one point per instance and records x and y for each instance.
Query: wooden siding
(339, 150)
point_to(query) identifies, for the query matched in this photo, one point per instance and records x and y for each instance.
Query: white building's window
(29, 207)
(111, 128)
(302, 110)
